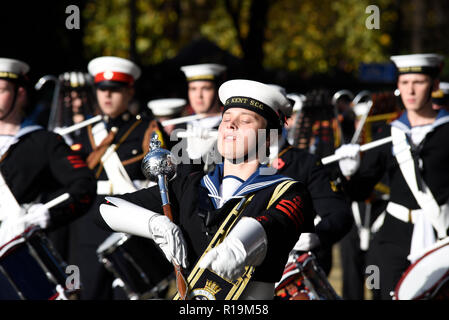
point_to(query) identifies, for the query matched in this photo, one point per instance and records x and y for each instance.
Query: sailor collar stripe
(403, 124)
(256, 182)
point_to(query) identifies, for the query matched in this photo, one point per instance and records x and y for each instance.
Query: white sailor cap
(113, 71)
(427, 63)
(206, 71)
(298, 100)
(286, 109)
(166, 107)
(261, 98)
(12, 69)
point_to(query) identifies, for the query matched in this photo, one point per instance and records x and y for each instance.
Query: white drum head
(425, 274)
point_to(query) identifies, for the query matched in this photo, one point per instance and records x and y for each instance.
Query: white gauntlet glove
(350, 158)
(245, 245)
(124, 216)
(168, 237)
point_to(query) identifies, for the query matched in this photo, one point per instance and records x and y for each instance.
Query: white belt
(106, 187)
(403, 213)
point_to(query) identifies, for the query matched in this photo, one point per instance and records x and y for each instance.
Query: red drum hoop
(428, 277)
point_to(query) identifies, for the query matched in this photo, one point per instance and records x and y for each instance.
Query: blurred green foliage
(305, 35)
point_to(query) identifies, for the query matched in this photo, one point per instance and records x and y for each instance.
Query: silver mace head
(158, 161)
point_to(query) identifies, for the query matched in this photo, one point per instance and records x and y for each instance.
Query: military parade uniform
(114, 149)
(194, 203)
(197, 147)
(38, 165)
(44, 186)
(393, 240)
(131, 138)
(334, 218)
(269, 225)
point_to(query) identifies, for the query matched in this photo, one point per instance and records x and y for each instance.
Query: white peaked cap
(113, 69)
(256, 96)
(166, 107)
(299, 100)
(417, 63)
(206, 71)
(12, 68)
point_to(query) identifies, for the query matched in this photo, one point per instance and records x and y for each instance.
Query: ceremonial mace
(158, 165)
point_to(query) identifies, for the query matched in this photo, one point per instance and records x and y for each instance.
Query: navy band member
(417, 166)
(166, 109)
(203, 81)
(114, 149)
(36, 165)
(263, 237)
(334, 218)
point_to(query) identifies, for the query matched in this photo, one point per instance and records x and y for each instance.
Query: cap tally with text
(426, 63)
(261, 98)
(166, 107)
(113, 71)
(206, 71)
(12, 69)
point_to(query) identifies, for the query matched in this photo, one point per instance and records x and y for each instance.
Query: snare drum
(304, 279)
(428, 277)
(30, 269)
(140, 268)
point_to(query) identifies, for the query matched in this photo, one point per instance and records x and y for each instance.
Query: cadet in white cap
(417, 164)
(166, 109)
(261, 239)
(36, 166)
(203, 81)
(114, 149)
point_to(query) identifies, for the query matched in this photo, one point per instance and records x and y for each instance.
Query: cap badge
(108, 75)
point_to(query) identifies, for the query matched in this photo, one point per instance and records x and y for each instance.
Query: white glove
(127, 217)
(306, 242)
(245, 245)
(38, 214)
(199, 141)
(168, 237)
(350, 158)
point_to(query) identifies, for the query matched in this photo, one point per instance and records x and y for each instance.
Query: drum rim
(410, 268)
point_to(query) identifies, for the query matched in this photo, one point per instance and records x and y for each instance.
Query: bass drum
(304, 279)
(428, 277)
(140, 268)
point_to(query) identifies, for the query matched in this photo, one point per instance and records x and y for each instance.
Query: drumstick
(183, 119)
(63, 197)
(186, 134)
(80, 125)
(52, 203)
(364, 147)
